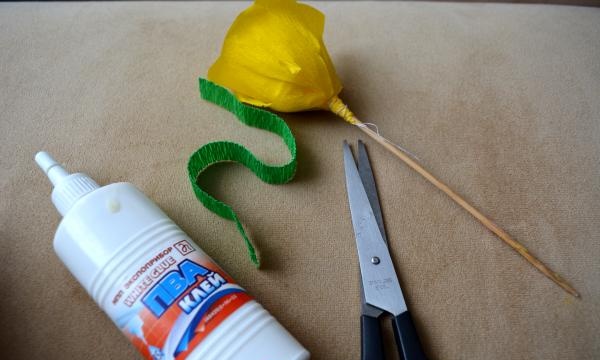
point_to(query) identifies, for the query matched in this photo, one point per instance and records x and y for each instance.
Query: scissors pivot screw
(375, 260)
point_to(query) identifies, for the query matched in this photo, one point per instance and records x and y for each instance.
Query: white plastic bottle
(166, 295)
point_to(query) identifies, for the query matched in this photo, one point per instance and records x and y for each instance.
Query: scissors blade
(368, 180)
(379, 280)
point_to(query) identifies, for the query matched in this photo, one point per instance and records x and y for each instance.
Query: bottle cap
(68, 188)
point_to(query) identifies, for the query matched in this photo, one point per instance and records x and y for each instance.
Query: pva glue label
(172, 300)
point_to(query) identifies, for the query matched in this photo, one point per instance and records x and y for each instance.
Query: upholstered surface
(500, 101)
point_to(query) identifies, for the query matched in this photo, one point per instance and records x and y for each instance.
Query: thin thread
(337, 106)
(388, 140)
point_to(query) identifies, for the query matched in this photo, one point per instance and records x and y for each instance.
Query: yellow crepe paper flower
(274, 56)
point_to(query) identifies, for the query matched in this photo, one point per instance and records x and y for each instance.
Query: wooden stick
(465, 205)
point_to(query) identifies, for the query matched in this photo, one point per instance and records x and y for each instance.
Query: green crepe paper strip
(220, 151)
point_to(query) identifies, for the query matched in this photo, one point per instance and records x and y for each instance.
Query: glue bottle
(164, 293)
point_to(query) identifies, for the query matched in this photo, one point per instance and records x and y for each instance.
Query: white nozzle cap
(68, 188)
(50, 167)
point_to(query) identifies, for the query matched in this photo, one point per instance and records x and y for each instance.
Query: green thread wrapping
(220, 151)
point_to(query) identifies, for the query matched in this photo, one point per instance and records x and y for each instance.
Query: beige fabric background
(500, 101)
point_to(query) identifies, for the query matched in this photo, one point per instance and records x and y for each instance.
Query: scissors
(380, 289)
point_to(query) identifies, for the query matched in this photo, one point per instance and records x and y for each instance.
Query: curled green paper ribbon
(220, 151)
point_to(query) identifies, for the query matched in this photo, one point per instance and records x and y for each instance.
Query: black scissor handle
(407, 339)
(370, 339)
